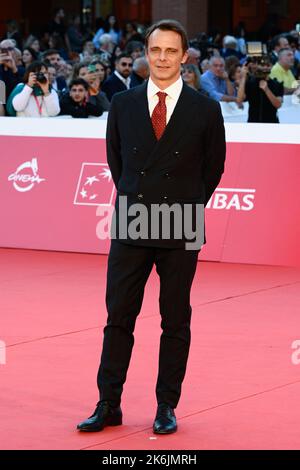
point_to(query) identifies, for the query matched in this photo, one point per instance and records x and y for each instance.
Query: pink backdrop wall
(51, 188)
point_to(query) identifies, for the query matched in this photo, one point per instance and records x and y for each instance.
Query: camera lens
(41, 77)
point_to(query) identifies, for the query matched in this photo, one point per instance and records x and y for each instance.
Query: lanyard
(39, 105)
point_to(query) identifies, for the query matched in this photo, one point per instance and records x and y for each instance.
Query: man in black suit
(120, 78)
(165, 144)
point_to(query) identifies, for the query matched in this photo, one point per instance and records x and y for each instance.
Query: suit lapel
(141, 119)
(175, 128)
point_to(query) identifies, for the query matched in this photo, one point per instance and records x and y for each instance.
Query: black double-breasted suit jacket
(184, 166)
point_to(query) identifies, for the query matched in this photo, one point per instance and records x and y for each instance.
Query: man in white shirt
(120, 79)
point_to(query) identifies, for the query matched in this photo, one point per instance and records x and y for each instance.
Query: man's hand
(8, 61)
(3, 58)
(263, 85)
(275, 100)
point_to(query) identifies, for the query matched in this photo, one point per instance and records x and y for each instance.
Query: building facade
(196, 15)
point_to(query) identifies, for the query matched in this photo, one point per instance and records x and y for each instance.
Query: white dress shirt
(173, 92)
(126, 81)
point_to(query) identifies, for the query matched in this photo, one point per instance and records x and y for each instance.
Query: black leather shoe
(104, 415)
(165, 420)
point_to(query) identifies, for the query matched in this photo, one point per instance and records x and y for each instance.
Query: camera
(41, 78)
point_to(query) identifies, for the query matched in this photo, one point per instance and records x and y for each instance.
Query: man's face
(78, 93)
(9, 50)
(165, 55)
(265, 68)
(52, 74)
(287, 59)
(124, 66)
(217, 67)
(107, 47)
(54, 59)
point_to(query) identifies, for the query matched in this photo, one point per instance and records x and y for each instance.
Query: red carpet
(241, 390)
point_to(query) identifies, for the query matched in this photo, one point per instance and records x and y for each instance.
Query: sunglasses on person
(125, 64)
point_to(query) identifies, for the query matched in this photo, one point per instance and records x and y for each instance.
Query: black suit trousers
(129, 267)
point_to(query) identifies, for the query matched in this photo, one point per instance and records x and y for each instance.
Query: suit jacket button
(135, 150)
(140, 196)
(177, 154)
(143, 173)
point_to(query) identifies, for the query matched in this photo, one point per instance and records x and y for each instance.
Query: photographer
(263, 94)
(10, 73)
(34, 97)
(77, 103)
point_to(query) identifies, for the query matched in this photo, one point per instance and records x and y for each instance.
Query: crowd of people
(68, 71)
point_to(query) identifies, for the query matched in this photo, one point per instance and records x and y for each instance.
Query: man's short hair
(105, 39)
(216, 57)
(50, 52)
(194, 52)
(230, 42)
(79, 81)
(134, 45)
(276, 40)
(140, 63)
(124, 55)
(8, 43)
(169, 25)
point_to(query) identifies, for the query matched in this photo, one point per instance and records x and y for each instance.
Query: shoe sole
(165, 432)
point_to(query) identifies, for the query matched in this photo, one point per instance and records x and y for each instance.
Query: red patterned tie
(159, 115)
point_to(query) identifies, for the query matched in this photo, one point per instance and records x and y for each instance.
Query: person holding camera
(10, 73)
(34, 97)
(264, 94)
